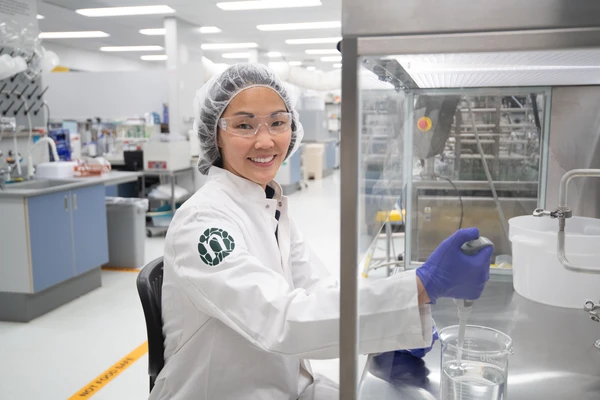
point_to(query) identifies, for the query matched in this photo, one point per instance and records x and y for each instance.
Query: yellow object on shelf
(394, 215)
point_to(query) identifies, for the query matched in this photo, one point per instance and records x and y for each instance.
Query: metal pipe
(564, 182)
(562, 201)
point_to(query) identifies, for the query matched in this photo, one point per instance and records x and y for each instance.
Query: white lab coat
(244, 328)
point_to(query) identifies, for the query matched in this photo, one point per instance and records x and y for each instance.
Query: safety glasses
(246, 125)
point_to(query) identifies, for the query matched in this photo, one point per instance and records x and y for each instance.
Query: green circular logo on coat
(215, 244)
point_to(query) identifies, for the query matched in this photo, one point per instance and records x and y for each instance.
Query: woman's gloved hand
(448, 272)
(422, 352)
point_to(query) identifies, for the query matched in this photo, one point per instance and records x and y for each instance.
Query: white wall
(109, 95)
(96, 61)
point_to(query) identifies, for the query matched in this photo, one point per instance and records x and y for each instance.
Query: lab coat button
(267, 206)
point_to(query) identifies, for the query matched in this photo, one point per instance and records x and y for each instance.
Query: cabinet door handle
(66, 203)
(75, 201)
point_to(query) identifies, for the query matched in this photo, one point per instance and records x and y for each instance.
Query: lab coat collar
(248, 189)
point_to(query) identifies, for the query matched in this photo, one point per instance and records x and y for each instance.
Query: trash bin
(126, 220)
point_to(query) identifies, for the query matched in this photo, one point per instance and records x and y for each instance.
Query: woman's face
(258, 157)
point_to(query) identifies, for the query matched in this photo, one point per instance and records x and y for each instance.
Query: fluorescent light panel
(209, 29)
(223, 46)
(332, 59)
(295, 63)
(299, 26)
(154, 57)
(73, 35)
(273, 54)
(40, 16)
(236, 55)
(314, 40)
(311, 68)
(131, 48)
(337, 65)
(153, 31)
(163, 31)
(122, 11)
(322, 51)
(265, 4)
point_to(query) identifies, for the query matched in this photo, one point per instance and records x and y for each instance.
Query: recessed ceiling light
(314, 40)
(322, 51)
(40, 16)
(273, 54)
(131, 48)
(311, 68)
(276, 64)
(295, 63)
(153, 31)
(154, 57)
(221, 46)
(264, 4)
(121, 11)
(332, 59)
(337, 65)
(236, 55)
(299, 26)
(73, 35)
(209, 29)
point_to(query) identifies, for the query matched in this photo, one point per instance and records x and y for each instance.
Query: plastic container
(312, 161)
(537, 273)
(126, 220)
(55, 170)
(479, 370)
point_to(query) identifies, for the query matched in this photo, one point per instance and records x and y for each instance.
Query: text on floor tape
(101, 380)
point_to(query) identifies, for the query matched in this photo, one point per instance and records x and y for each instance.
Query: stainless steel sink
(36, 184)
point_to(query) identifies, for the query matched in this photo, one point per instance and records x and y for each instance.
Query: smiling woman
(244, 114)
(251, 149)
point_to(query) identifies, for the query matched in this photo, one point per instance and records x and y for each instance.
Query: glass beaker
(479, 369)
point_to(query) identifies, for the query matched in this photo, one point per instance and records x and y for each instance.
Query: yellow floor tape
(121, 269)
(102, 380)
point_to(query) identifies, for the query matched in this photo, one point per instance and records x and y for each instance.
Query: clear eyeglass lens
(242, 125)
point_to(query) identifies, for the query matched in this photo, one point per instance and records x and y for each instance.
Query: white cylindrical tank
(537, 273)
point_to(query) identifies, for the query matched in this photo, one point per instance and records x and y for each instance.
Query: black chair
(149, 286)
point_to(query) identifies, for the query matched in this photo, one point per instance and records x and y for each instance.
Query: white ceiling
(236, 26)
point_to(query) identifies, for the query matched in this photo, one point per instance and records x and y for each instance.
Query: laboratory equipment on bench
(55, 170)
(62, 139)
(477, 370)
(474, 359)
(166, 156)
(590, 235)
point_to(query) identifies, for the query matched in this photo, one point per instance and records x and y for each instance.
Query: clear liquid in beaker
(470, 380)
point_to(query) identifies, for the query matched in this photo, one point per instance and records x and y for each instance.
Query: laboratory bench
(53, 242)
(554, 354)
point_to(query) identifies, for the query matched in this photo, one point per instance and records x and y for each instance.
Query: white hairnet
(216, 94)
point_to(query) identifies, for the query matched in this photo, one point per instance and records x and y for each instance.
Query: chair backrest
(149, 286)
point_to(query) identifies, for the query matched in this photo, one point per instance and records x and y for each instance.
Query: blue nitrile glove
(422, 352)
(448, 272)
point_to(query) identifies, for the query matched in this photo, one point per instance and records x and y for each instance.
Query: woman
(245, 303)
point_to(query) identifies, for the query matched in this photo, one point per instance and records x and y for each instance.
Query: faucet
(563, 212)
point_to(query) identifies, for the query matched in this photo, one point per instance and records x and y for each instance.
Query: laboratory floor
(61, 354)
